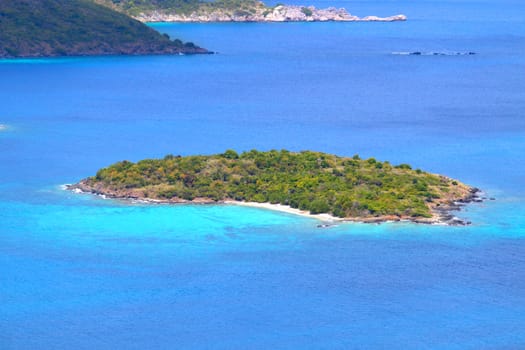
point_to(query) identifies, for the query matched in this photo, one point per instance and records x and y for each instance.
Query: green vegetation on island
(312, 181)
(47, 28)
(232, 11)
(135, 7)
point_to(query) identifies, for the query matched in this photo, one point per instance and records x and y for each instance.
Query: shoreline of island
(442, 214)
(303, 183)
(280, 13)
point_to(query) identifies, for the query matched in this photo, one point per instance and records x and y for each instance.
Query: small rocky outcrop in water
(434, 53)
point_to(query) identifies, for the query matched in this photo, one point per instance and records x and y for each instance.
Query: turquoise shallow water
(82, 272)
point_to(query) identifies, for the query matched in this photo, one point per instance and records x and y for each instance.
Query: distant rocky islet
(434, 53)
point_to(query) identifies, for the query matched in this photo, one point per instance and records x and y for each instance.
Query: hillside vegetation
(134, 7)
(43, 28)
(313, 181)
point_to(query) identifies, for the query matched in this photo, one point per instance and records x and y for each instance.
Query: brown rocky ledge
(442, 209)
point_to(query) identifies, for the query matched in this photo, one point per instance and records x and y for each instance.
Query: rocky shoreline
(281, 13)
(442, 212)
(86, 51)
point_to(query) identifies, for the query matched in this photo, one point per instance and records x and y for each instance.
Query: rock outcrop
(434, 53)
(281, 13)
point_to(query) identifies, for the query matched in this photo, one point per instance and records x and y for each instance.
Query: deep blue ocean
(78, 272)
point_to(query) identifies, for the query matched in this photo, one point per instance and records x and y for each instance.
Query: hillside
(311, 181)
(233, 11)
(49, 28)
(135, 7)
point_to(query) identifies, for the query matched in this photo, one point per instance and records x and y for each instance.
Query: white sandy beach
(436, 219)
(285, 209)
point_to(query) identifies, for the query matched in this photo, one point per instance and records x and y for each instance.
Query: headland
(57, 28)
(280, 13)
(234, 11)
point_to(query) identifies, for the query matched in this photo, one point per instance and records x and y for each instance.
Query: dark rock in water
(325, 225)
(492, 198)
(458, 222)
(436, 53)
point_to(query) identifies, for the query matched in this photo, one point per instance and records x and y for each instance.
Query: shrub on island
(312, 181)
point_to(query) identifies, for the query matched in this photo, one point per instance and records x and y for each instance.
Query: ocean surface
(80, 272)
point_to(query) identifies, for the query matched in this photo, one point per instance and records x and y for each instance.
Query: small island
(352, 189)
(233, 11)
(54, 28)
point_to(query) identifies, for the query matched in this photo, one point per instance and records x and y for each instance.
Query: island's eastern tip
(306, 183)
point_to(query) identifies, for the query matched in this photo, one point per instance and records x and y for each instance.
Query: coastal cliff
(351, 189)
(52, 28)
